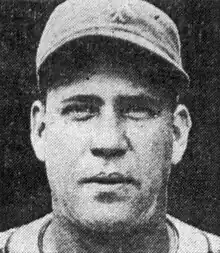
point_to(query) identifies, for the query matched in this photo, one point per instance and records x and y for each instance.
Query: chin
(109, 214)
(108, 225)
(116, 222)
(102, 216)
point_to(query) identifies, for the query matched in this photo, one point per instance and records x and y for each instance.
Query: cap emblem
(121, 12)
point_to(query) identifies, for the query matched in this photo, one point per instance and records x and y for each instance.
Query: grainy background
(194, 192)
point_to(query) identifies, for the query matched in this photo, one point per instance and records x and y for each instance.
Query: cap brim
(124, 35)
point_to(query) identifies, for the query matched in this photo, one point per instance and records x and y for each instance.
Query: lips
(110, 179)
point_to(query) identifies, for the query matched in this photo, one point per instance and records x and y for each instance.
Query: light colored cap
(135, 21)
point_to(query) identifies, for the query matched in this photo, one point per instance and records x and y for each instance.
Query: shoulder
(24, 238)
(4, 236)
(193, 240)
(214, 242)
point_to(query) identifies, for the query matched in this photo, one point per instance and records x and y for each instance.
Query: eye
(80, 111)
(140, 112)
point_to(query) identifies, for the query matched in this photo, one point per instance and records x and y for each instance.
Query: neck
(74, 238)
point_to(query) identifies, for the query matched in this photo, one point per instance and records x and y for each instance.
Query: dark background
(194, 192)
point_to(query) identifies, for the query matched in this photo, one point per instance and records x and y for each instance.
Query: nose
(110, 140)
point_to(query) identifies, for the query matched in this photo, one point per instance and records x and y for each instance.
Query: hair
(93, 52)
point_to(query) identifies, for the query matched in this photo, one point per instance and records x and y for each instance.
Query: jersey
(28, 238)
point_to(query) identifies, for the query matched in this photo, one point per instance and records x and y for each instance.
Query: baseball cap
(135, 21)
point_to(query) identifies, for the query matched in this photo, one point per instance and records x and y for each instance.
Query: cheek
(152, 144)
(65, 143)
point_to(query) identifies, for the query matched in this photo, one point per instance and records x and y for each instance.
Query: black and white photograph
(110, 126)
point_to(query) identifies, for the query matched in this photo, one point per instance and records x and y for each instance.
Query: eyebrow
(140, 99)
(84, 99)
(121, 99)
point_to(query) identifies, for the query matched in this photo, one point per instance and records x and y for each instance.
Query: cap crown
(136, 21)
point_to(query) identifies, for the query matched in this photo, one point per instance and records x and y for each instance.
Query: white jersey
(28, 238)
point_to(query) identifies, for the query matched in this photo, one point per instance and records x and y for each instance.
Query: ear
(38, 129)
(181, 126)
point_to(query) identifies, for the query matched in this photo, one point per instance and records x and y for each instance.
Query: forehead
(106, 82)
(109, 89)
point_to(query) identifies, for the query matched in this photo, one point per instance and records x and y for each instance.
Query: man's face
(108, 145)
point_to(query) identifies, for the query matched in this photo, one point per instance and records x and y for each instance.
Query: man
(108, 125)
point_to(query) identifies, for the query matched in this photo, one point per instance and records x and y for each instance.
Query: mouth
(110, 179)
